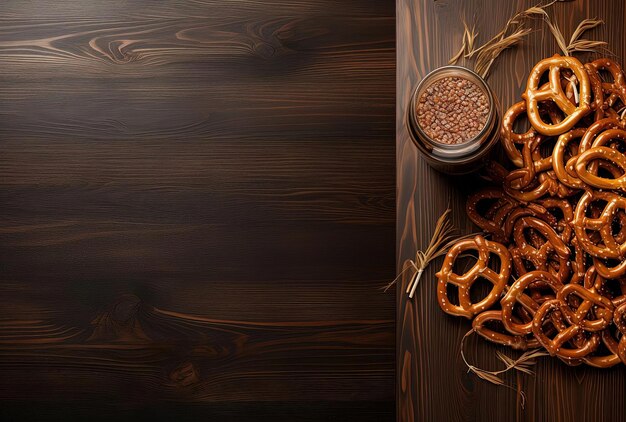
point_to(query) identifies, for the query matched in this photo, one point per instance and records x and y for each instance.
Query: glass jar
(464, 155)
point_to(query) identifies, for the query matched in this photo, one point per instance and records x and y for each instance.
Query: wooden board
(197, 209)
(433, 383)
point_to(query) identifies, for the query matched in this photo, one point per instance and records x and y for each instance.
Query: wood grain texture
(433, 383)
(197, 209)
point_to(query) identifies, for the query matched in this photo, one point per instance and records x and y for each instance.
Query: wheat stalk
(469, 37)
(487, 56)
(442, 239)
(522, 364)
(514, 32)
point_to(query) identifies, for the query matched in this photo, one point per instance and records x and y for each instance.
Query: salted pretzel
(619, 317)
(549, 246)
(597, 104)
(565, 148)
(513, 141)
(602, 153)
(517, 294)
(602, 225)
(608, 360)
(566, 333)
(616, 89)
(517, 342)
(554, 92)
(513, 186)
(555, 260)
(580, 316)
(531, 209)
(610, 270)
(588, 139)
(486, 250)
(562, 225)
(493, 219)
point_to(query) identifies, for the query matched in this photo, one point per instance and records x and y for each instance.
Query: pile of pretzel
(554, 251)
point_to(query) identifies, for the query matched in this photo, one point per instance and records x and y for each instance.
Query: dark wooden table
(433, 383)
(197, 210)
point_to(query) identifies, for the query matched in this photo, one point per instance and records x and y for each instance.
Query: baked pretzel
(566, 333)
(616, 89)
(597, 104)
(512, 141)
(547, 244)
(602, 225)
(554, 92)
(480, 269)
(479, 324)
(610, 359)
(588, 139)
(580, 316)
(493, 219)
(619, 317)
(562, 224)
(531, 209)
(516, 294)
(602, 153)
(606, 270)
(558, 218)
(565, 149)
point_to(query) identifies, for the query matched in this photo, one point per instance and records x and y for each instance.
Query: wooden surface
(433, 383)
(197, 210)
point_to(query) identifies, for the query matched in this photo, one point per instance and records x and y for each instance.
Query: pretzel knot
(491, 220)
(540, 249)
(608, 247)
(616, 90)
(516, 342)
(554, 92)
(619, 317)
(486, 250)
(513, 141)
(564, 158)
(582, 315)
(517, 294)
(570, 341)
(600, 152)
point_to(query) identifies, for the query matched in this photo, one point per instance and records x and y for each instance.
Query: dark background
(197, 210)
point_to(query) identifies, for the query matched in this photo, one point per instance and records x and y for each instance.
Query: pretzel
(554, 92)
(465, 281)
(529, 193)
(616, 89)
(608, 271)
(580, 315)
(566, 334)
(619, 317)
(610, 248)
(610, 359)
(595, 129)
(492, 221)
(510, 139)
(527, 210)
(538, 255)
(597, 105)
(514, 341)
(516, 294)
(602, 153)
(557, 220)
(563, 227)
(564, 170)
